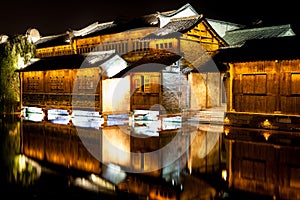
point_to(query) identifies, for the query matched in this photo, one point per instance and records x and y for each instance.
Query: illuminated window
(142, 83)
(146, 83)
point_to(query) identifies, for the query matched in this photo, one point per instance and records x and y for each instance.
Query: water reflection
(265, 162)
(123, 159)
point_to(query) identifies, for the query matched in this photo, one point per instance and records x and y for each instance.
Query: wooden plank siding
(266, 87)
(76, 88)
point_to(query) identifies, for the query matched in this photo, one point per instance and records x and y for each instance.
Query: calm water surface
(145, 160)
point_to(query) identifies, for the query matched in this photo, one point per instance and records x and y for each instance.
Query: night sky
(57, 16)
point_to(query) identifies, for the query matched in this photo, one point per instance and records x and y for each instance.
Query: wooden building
(263, 79)
(169, 65)
(67, 82)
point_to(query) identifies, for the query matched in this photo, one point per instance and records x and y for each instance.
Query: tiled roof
(93, 28)
(185, 11)
(53, 40)
(175, 27)
(280, 48)
(238, 37)
(221, 27)
(180, 10)
(120, 25)
(74, 61)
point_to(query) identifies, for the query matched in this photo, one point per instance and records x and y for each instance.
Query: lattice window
(33, 83)
(57, 83)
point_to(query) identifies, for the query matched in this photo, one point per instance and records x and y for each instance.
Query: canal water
(145, 159)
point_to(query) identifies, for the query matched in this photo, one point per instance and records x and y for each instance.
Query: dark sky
(57, 16)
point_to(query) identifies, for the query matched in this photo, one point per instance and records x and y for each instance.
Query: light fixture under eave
(266, 124)
(226, 120)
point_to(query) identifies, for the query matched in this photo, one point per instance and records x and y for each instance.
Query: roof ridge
(261, 28)
(186, 18)
(179, 10)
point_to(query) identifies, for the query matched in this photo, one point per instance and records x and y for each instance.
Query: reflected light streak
(266, 134)
(34, 114)
(101, 182)
(226, 130)
(224, 174)
(22, 163)
(58, 116)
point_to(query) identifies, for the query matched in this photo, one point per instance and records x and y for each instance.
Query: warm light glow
(224, 174)
(226, 130)
(266, 134)
(116, 146)
(266, 124)
(22, 163)
(226, 120)
(101, 182)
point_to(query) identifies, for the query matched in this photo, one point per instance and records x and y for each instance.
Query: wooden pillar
(278, 80)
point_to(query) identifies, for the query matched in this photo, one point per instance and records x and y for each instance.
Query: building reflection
(127, 156)
(263, 162)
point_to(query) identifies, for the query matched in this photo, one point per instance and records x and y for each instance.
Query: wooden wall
(266, 87)
(62, 88)
(122, 42)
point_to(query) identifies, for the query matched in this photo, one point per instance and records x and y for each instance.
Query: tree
(14, 53)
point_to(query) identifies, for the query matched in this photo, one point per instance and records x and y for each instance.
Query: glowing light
(224, 174)
(227, 120)
(101, 182)
(266, 124)
(226, 130)
(22, 163)
(266, 134)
